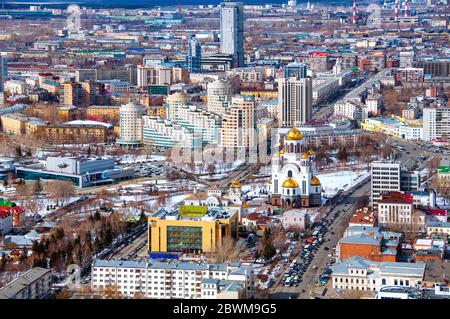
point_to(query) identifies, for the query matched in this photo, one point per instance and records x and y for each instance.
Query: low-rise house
(296, 219)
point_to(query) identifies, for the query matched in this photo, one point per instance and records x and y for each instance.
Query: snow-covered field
(333, 182)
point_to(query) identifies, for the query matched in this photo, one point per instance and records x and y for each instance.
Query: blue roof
(439, 224)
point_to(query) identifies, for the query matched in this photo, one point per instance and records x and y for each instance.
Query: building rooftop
(164, 264)
(12, 288)
(200, 213)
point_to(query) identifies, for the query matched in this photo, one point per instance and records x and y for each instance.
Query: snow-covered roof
(88, 122)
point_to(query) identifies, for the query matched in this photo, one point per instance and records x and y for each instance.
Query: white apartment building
(295, 98)
(201, 122)
(219, 95)
(131, 124)
(436, 123)
(357, 273)
(166, 134)
(250, 74)
(33, 284)
(324, 88)
(173, 279)
(385, 176)
(154, 75)
(175, 101)
(351, 110)
(15, 87)
(239, 123)
(374, 104)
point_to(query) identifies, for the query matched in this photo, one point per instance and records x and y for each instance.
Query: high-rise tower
(232, 31)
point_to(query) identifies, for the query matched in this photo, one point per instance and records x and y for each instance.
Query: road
(307, 287)
(335, 231)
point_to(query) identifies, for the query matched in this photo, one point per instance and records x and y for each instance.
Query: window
(383, 281)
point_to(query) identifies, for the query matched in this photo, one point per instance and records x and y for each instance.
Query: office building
(81, 171)
(239, 123)
(131, 124)
(192, 229)
(294, 101)
(385, 176)
(173, 279)
(368, 242)
(357, 273)
(295, 69)
(232, 31)
(194, 55)
(396, 211)
(153, 75)
(219, 95)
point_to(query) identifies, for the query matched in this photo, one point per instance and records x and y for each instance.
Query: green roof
(193, 211)
(444, 169)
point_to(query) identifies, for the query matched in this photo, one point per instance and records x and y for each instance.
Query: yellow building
(156, 110)
(104, 112)
(261, 94)
(77, 134)
(192, 229)
(19, 124)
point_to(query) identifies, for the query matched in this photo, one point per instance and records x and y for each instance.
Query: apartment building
(106, 112)
(173, 279)
(78, 93)
(239, 124)
(33, 284)
(436, 123)
(159, 132)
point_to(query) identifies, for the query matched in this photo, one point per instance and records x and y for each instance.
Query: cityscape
(223, 149)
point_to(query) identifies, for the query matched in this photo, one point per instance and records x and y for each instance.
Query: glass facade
(184, 238)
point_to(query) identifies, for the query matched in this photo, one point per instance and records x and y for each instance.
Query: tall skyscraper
(294, 96)
(232, 31)
(194, 56)
(295, 69)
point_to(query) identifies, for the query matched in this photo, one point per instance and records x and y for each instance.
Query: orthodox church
(294, 182)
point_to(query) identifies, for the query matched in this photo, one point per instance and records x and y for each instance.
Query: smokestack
(354, 11)
(396, 9)
(406, 8)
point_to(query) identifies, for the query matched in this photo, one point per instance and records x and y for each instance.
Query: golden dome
(244, 205)
(269, 181)
(282, 151)
(311, 152)
(235, 184)
(290, 183)
(305, 155)
(293, 135)
(315, 181)
(276, 155)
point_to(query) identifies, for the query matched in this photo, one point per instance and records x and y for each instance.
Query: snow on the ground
(129, 159)
(45, 202)
(334, 181)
